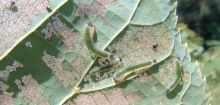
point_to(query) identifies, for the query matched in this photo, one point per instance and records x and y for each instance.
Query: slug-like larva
(131, 71)
(88, 33)
(179, 77)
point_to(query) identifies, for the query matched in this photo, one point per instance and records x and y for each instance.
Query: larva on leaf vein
(131, 71)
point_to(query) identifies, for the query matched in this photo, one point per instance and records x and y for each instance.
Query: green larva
(131, 71)
(179, 77)
(88, 34)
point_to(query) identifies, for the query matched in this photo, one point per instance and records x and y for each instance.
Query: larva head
(89, 29)
(114, 57)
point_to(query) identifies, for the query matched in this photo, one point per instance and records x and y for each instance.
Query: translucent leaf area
(52, 65)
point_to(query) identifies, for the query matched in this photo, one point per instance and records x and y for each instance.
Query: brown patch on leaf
(142, 44)
(68, 78)
(132, 98)
(79, 63)
(31, 90)
(56, 27)
(6, 100)
(115, 97)
(97, 8)
(69, 38)
(5, 97)
(101, 99)
(4, 74)
(144, 78)
(16, 18)
(84, 100)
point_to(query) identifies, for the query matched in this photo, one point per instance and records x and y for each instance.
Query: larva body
(131, 71)
(88, 34)
(179, 77)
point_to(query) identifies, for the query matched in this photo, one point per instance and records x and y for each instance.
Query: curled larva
(88, 33)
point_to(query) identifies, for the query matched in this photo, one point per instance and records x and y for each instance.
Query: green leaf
(150, 12)
(150, 88)
(135, 45)
(50, 63)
